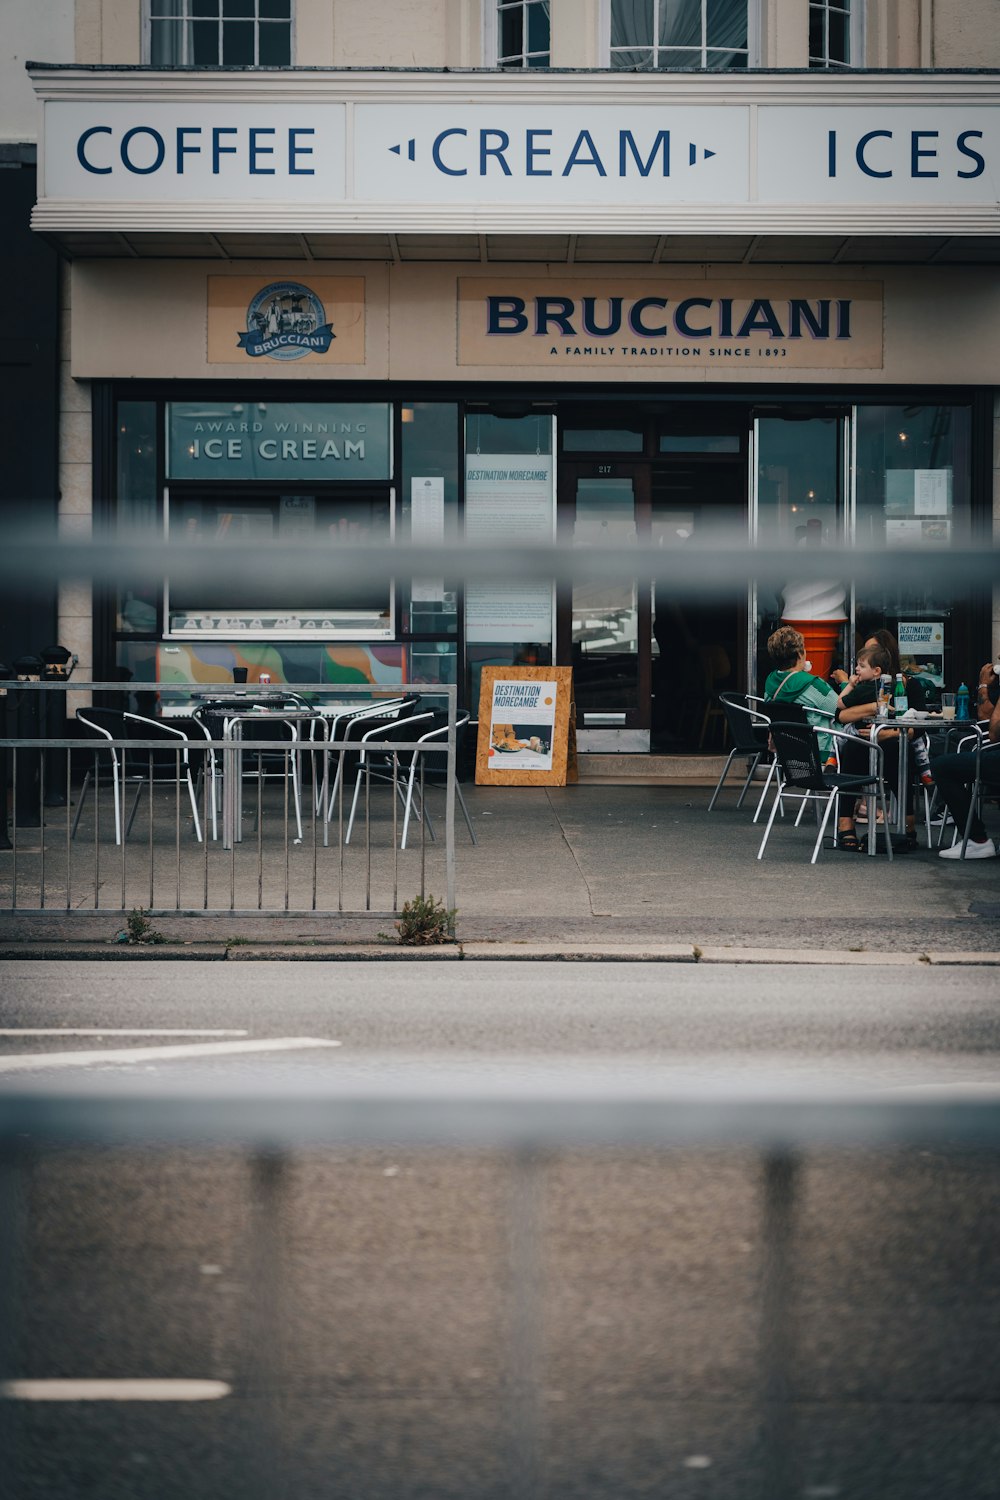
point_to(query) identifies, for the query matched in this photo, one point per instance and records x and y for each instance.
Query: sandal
(847, 840)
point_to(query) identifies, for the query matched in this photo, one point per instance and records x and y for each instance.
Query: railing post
(778, 1461)
(524, 1373)
(449, 806)
(265, 1475)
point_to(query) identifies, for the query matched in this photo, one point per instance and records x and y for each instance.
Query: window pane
(601, 440)
(840, 37)
(237, 44)
(679, 57)
(205, 43)
(538, 28)
(680, 23)
(726, 24)
(511, 33)
(279, 10)
(166, 44)
(274, 46)
(632, 58)
(166, 8)
(722, 60)
(237, 8)
(817, 48)
(137, 506)
(540, 60)
(204, 7)
(631, 23)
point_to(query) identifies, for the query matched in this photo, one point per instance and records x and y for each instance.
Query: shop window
(266, 603)
(509, 501)
(136, 609)
(914, 491)
(263, 471)
(835, 34)
(523, 33)
(601, 439)
(210, 33)
(429, 510)
(710, 34)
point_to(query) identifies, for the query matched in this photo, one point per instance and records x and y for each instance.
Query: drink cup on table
(947, 705)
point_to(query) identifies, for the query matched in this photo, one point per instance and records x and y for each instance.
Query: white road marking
(158, 1054)
(113, 1031)
(114, 1390)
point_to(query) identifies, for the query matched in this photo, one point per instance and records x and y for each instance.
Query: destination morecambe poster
(524, 726)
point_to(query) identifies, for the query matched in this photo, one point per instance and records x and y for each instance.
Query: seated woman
(793, 682)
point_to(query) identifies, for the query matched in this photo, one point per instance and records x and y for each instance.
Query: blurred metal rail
(694, 570)
(530, 1127)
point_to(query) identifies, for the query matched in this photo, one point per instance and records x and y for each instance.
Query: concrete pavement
(580, 870)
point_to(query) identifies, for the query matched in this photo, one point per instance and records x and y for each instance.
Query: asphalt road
(649, 1310)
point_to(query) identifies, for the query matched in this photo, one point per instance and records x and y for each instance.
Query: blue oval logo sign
(286, 320)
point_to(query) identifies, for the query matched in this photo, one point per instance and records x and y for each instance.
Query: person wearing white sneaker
(954, 775)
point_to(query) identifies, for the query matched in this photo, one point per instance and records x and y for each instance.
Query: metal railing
(322, 838)
(530, 1128)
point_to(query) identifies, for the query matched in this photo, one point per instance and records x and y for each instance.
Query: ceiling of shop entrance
(558, 249)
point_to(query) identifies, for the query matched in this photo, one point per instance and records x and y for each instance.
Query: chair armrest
(841, 734)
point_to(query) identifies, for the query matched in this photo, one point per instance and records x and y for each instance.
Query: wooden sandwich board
(525, 723)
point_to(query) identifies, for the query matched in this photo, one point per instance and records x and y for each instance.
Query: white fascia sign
(304, 153)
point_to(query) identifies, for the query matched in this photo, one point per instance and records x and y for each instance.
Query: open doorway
(699, 646)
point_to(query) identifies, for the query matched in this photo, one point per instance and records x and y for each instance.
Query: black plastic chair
(803, 774)
(748, 730)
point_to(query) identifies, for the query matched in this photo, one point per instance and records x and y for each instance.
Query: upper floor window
(681, 33)
(523, 33)
(205, 33)
(835, 34)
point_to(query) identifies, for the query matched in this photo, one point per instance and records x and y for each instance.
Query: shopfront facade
(512, 321)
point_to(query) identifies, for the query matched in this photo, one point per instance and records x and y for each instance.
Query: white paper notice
(426, 528)
(931, 492)
(509, 501)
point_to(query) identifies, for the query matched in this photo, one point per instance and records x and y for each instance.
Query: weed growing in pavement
(424, 921)
(139, 929)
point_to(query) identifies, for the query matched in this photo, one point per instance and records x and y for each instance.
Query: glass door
(799, 471)
(604, 627)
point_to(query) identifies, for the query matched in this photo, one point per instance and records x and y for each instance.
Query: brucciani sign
(677, 323)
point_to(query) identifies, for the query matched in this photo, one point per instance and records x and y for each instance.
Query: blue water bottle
(962, 702)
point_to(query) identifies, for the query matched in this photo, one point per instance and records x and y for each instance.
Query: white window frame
(147, 32)
(491, 38)
(856, 22)
(753, 36)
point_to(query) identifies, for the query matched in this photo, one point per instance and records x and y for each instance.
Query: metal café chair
(135, 767)
(748, 730)
(174, 762)
(350, 726)
(383, 765)
(435, 773)
(804, 775)
(105, 725)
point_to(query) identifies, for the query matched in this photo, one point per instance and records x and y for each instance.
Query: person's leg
(953, 776)
(854, 759)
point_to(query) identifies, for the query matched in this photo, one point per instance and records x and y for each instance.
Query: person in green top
(792, 682)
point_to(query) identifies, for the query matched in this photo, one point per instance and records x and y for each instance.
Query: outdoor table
(232, 757)
(920, 723)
